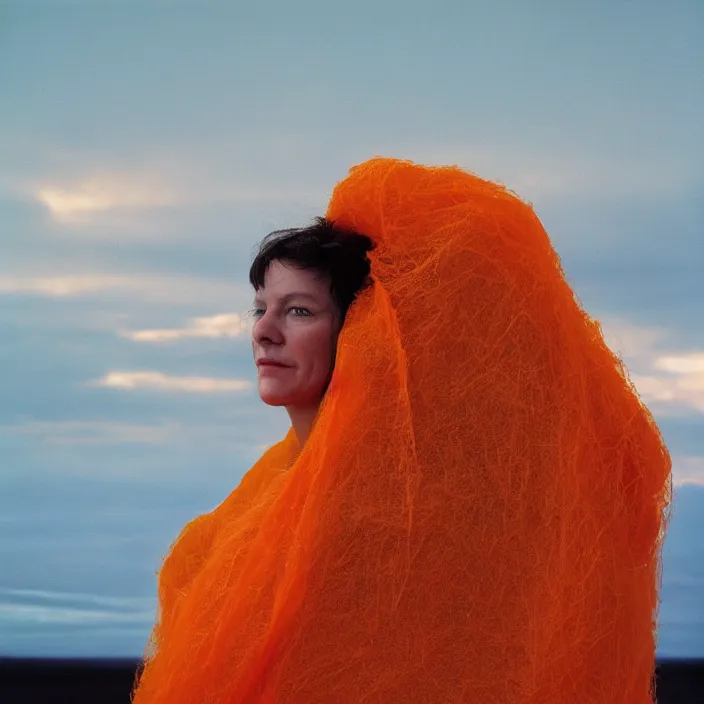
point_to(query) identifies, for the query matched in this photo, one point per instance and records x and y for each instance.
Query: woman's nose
(266, 329)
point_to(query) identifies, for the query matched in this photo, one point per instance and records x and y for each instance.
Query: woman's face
(294, 336)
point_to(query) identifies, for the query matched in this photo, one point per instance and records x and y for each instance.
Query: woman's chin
(273, 397)
(273, 401)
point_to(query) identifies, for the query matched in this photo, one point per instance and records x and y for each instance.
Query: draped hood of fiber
(478, 513)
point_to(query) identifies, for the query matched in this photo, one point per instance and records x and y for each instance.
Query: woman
(469, 509)
(304, 280)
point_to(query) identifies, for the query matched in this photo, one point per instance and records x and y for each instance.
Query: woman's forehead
(282, 280)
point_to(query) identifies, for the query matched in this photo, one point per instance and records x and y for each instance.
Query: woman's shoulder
(198, 537)
(275, 460)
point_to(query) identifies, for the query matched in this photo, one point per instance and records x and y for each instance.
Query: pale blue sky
(145, 147)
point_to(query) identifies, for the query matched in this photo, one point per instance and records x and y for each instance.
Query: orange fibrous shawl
(478, 514)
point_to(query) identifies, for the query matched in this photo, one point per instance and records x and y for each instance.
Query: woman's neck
(302, 420)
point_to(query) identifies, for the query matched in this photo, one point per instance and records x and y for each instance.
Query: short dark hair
(339, 254)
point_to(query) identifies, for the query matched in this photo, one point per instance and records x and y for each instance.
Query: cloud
(157, 194)
(680, 391)
(211, 327)
(105, 200)
(167, 447)
(46, 607)
(688, 470)
(62, 286)
(111, 602)
(111, 195)
(89, 432)
(684, 364)
(635, 342)
(80, 203)
(156, 381)
(540, 175)
(144, 287)
(670, 382)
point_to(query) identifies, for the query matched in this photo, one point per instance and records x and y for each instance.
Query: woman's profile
(304, 282)
(470, 503)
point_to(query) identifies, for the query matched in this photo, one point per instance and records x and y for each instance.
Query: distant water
(681, 629)
(60, 601)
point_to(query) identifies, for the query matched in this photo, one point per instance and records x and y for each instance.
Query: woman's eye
(257, 312)
(299, 312)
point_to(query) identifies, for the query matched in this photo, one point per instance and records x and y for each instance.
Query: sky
(145, 149)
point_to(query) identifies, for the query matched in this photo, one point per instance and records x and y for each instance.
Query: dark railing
(110, 681)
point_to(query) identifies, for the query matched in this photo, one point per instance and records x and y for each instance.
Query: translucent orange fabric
(478, 513)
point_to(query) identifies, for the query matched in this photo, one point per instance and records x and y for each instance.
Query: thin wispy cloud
(242, 437)
(101, 600)
(142, 197)
(225, 325)
(63, 286)
(637, 343)
(546, 174)
(157, 381)
(82, 203)
(680, 382)
(682, 364)
(166, 433)
(90, 432)
(688, 470)
(146, 198)
(101, 200)
(47, 607)
(155, 288)
(671, 382)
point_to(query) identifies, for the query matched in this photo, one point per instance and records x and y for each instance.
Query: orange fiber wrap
(479, 511)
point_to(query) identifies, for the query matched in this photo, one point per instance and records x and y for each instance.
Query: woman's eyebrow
(298, 294)
(290, 296)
